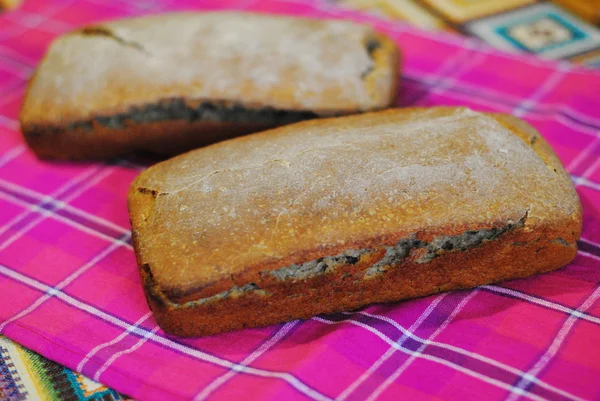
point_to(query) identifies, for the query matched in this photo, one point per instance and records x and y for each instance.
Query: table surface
(546, 29)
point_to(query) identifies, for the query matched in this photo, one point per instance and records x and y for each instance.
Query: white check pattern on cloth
(390, 379)
(558, 340)
(68, 280)
(61, 205)
(73, 183)
(116, 355)
(35, 21)
(549, 84)
(391, 350)
(447, 82)
(121, 239)
(497, 100)
(112, 342)
(12, 154)
(159, 339)
(450, 65)
(8, 123)
(469, 354)
(542, 302)
(219, 381)
(589, 171)
(19, 67)
(46, 23)
(441, 361)
(577, 160)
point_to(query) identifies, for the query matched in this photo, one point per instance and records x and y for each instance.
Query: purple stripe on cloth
(544, 302)
(543, 359)
(141, 332)
(499, 100)
(589, 247)
(55, 207)
(411, 345)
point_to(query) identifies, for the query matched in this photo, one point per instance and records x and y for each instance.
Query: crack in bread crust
(103, 31)
(372, 45)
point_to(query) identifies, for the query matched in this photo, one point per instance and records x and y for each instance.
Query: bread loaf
(333, 214)
(173, 82)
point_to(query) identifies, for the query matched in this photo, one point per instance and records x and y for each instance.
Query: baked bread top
(217, 216)
(256, 60)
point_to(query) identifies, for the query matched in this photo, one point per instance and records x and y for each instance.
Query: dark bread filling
(394, 256)
(438, 246)
(178, 109)
(153, 290)
(315, 267)
(105, 32)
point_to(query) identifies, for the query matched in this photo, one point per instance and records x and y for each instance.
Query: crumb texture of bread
(256, 60)
(332, 214)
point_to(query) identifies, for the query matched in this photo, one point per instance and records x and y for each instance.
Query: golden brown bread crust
(167, 138)
(519, 255)
(9, 4)
(168, 77)
(513, 213)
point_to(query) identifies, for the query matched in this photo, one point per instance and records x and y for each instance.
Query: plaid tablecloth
(69, 287)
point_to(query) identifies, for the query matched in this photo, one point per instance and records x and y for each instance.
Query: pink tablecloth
(69, 286)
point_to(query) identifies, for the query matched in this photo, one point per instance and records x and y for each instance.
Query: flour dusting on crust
(262, 60)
